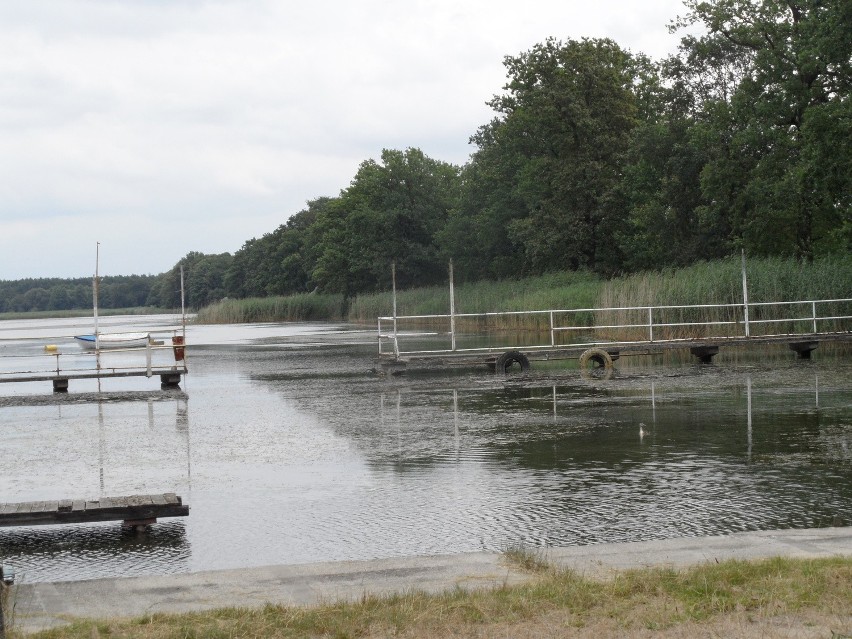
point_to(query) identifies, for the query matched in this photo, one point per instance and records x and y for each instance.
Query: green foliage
(55, 294)
(545, 168)
(203, 281)
(391, 212)
(771, 120)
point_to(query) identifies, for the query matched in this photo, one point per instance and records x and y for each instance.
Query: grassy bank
(102, 312)
(719, 282)
(732, 598)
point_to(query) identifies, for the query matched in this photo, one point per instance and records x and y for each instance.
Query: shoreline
(40, 606)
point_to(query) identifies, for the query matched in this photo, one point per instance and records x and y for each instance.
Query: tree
(774, 119)
(546, 167)
(391, 212)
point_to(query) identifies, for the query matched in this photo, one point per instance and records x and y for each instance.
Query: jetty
(597, 337)
(45, 360)
(134, 511)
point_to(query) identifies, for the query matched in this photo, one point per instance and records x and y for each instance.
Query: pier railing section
(549, 329)
(25, 359)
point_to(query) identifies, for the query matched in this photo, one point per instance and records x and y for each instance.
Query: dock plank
(68, 511)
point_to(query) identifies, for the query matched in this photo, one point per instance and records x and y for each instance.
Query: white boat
(114, 341)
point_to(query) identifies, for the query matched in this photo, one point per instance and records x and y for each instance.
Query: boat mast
(95, 307)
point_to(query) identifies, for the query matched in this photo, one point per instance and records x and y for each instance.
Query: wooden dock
(599, 336)
(131, 510)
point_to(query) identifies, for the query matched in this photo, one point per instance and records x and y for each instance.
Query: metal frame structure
(735, 315)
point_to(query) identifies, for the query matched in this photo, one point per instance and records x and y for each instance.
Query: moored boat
(114, 341)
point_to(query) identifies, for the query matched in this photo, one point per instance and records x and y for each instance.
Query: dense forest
(596, 159)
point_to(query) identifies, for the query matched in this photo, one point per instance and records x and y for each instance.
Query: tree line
(597, 159)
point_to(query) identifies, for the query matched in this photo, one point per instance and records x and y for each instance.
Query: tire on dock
(598, 358)
(508, 359)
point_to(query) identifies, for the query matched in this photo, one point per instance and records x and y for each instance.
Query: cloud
(120, 115)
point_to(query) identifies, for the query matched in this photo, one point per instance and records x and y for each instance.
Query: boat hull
(112, 341)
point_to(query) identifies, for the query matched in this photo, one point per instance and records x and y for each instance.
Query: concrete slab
(606, 559)
(43, 605)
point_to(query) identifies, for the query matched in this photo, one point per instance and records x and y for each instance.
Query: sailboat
(99, 341)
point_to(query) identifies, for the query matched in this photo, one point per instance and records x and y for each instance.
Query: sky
(152, 128)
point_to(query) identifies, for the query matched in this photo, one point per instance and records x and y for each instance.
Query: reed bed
(705, 283)
(720, 282)
(554, 290)
(293, 308)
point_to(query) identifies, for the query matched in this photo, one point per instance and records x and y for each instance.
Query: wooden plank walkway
(47, 376)
(133, 510)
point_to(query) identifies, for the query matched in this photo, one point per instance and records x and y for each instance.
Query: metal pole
(552, 333)
(813, 311)
(745, 294)
(452, 311)
(95, 286)
(650, 324)
(95, 293)
(183, 316)
(393, 280)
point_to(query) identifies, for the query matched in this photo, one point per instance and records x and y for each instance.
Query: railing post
(552, 333)
(650, 323)
(395, 341)
(379, 334)
(745, 295)
(813, 310)
(148, 357)
(452, 311)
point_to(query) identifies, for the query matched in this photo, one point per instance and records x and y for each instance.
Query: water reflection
(79, 552)
(296, 453)
(89, 447)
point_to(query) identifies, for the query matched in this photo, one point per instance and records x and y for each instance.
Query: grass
(304, 307)
(746, 595)
(718, 282)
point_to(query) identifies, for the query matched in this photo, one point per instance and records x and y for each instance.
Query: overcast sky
(159, 127)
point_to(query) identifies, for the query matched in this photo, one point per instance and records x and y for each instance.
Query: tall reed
(293, 308)
(720, 282)
(554, 290)
(705, 283)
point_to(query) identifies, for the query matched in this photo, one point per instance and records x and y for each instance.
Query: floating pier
(134, 511)
(599, 336)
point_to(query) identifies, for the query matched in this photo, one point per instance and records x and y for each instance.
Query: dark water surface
(289, 450)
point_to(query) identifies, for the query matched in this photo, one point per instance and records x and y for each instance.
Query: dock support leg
(705, 353)
(803, 349)
(170, 380)
(138, 525)
(60, 385)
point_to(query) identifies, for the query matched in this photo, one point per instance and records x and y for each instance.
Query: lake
(290, 449)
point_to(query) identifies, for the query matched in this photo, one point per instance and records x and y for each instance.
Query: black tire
(508, 359)
(597, 356)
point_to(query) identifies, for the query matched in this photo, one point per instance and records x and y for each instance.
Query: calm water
(289, 450)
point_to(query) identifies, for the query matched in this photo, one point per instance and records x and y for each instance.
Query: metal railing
(620, 325)
(28, 364)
